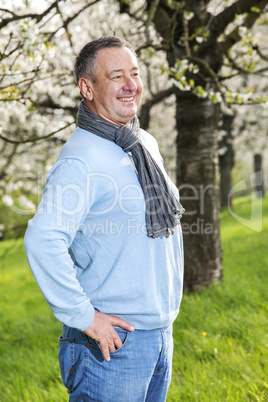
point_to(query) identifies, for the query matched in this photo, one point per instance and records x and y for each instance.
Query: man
(105, 245)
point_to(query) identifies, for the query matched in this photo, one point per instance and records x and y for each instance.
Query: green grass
(14, 219)
(220, 335)
(28, 343)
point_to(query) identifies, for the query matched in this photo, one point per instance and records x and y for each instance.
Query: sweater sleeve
(66, 201)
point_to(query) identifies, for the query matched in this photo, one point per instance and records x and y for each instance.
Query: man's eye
(117, 77)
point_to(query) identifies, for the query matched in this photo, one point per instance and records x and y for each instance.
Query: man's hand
(103, 332)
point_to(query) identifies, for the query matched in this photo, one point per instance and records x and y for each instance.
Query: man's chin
(128, 115)
(127, 119)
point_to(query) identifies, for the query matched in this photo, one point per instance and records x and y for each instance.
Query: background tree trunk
(189, 35)
(226, 160)
(259, 175)
(197, 167)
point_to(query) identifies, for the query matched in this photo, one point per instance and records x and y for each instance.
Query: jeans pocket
(122, 333)
(124, 336)
(66, 361)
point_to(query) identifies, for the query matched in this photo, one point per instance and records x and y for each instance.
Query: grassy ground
(14, 218)
(28, 343)
(220, 336)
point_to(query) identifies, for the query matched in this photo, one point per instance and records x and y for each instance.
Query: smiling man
(105, 245)
(114, 93)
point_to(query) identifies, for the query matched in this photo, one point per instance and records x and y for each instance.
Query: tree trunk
(197, 166)
(226, 161)
(197, 122)
(259, 185)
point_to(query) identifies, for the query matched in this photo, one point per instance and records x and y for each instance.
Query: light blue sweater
(87, 244)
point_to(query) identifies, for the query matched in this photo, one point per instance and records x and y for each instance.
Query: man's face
(117, 93)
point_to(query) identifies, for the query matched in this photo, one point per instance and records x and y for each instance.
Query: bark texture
(197, 121)
(226, 161)
(259, 174)
(197, 166)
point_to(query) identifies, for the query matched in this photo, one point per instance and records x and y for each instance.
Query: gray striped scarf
(163, 210)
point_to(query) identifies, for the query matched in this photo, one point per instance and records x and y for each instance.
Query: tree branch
(209, 70)
(16, 84)
(150, 44)
(4, 56)
(234, 36)
(212, 74)
(70, 19)
(35, 139)
(186, 36)
(16, 17)
(151, 12)
(144, 115)
(8, 161)
(240, 70)
(220, 22)
(262, 56)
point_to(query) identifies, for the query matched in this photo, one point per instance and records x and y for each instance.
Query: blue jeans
(138, 371)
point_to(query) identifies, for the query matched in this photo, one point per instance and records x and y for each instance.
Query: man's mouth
(126, 99)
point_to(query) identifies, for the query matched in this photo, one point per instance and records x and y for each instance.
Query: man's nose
(130, 84)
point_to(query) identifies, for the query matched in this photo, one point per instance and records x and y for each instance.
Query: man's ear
(86, 88)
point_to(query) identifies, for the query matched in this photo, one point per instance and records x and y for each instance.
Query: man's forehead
(121, 70)
(110, 60)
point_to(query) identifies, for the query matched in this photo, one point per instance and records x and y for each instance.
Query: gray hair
(85, 63)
